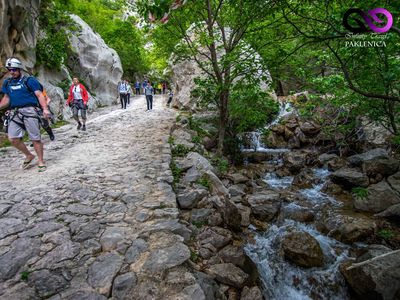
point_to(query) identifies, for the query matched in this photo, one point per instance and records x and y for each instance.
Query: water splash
(283, 280)
(279, 183)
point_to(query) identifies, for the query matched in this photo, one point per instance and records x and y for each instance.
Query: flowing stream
(282, 279)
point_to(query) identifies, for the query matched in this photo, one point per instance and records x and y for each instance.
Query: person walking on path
(149, 92)
(144, 85)
(77, 100)
(137, 87)
(170, 95)
(23, 96)
(123, 93)
(164, 87)
(128, 95)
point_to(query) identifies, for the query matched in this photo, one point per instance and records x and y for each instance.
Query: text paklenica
(365, 44)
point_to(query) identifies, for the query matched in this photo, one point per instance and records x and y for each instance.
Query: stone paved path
(102, 220)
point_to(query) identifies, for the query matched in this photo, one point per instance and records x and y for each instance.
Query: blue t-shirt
(19, 95)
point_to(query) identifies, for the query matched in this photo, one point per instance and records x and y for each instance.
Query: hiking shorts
(79, 106)
(24, 119)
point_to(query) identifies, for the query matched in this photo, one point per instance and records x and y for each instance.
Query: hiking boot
(84, 127)
(79, 125)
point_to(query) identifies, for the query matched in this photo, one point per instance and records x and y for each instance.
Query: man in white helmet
(23, 96)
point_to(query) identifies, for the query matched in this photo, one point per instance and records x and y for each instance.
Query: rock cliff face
(18, 30)
(95, 63)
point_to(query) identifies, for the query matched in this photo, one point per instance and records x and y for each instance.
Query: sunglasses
(12, 69)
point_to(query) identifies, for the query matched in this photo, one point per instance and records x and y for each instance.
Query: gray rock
(191, 175)
(216, 236)
(394, 182)
(192, 292)
(87, 295)
(383, 166)
(349, 178)
(228, 274)
(87, 231)
(80, 209)
(47, 283)
(112, 237)
(200, 162)
(392, 212)
(233, 254)
(102, 272)
(237, 178)
(253, 293)
(358, 159)
(217, 187)
(65, 251)
(294, 161)
(166, 258)
(208, 285)
(21, 251)
(41, 228)
(173, 226)
(200, 215)
(380, 197)
(189, 199)
(124, 285)
(265, 205)
(302, 249)
(377, 279)
(10, 226)
(138, 247)
(20, 291)
(236, 190)
(245, 213)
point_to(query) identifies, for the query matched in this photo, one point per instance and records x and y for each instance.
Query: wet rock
(358, 159)
(380, 197)
(298, 213)
(124, 285)
(294, 143)
(392, 212)
(166, 258)
(348, 229)
(102, 272)
(304, 179)
(349, 178)
(324, 158)
(302, 249)
(378, 277)
(189, 199)
(256, 157)
(46, 283)
(265, 206)
(216, 236)
(301, 136)
(21, 251)
(278, 128)
(253, 293)
(294, 161)
(228, 274)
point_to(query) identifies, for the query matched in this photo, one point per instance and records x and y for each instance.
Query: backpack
(25, 84)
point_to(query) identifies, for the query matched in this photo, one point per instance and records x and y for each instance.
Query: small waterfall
(283, 280)
(252, 140)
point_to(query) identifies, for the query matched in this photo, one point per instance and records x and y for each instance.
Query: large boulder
(358, 159)
(382, 166)
(265, 205)
(375, 275)
(97, 65)
(349, 178)
(302, 249)
(380, 196)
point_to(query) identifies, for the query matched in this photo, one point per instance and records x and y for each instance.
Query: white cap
(14, 63)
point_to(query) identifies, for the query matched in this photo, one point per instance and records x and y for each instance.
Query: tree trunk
(223, 119)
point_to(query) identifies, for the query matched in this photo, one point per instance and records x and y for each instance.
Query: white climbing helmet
(14, 63)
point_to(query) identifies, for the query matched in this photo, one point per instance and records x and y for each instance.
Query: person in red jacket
(77, 100)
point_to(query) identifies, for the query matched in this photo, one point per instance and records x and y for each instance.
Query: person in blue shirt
(23, 96)
(149, 92)
(137, 87)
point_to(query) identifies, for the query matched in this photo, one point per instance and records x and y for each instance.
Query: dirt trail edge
(102, 221)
